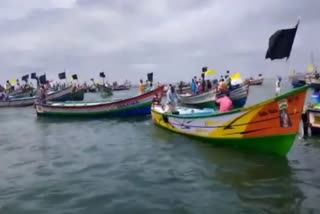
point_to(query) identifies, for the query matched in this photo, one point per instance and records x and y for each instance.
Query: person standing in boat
(278, 86)
(209, 85)
(42, 97)
(141, 87)
(172, 99)
(203, 81)
(224, 102)
(193, 86)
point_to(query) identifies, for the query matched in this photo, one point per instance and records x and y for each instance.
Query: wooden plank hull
(268, 127)
(135, 106)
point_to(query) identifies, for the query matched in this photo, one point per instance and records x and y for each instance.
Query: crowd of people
(9, 88)
(197, 86)
(145, 86)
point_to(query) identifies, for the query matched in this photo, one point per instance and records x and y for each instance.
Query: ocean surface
(58, 166)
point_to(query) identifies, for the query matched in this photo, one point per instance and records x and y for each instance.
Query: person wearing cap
(224, 102)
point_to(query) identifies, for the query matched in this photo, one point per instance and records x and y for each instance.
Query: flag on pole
(310, 67)
(235, 76)
(13, 81)
(280, 43)
(75, 77)
(62, 75)
(210, 72)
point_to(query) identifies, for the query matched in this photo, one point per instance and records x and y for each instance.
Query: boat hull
(267, 127)
(315, 83)
(105, 91)
(136, 106)
(297, 84)
(58, 96)
(68, 95)
(256, 82)
(18, 102)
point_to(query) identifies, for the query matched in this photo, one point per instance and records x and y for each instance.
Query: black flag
(34, 76)
(204, 69)
(74, 77)
(62, 75)
(25, 78)
(280, 43)
(102, 75)
(150, 77)
(43, 79)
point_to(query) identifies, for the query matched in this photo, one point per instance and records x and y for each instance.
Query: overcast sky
(172, 38)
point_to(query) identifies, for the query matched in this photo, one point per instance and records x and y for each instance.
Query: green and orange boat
(268, 127)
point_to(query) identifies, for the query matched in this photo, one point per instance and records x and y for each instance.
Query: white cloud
(174, 39)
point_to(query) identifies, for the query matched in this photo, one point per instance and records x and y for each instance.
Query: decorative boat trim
(257, 127)
(138, 105)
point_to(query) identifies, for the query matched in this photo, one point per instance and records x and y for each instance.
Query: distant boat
(66, 94)
(105, 90)
(238, 96)
(134, 106)
(125, 86)
(256, 81)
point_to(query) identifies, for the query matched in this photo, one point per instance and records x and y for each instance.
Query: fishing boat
(238, 95)
(125, 86)
(105, 90)
(61, 96)
(311, 118)
(18, 102)
(22, 92)
(298, 80)
(268, 127)
(138, 105)
(298, 83)
(67, 94)
(314, 83)
(256, 81)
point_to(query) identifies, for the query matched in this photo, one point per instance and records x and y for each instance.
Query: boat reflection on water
(261, 182)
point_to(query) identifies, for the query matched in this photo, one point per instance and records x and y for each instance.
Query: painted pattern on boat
(275, 117)
(139, 105)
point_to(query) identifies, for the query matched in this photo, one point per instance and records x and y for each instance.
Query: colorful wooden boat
(238, 96)
(61, 96)
(269, 127)
(138, 105)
